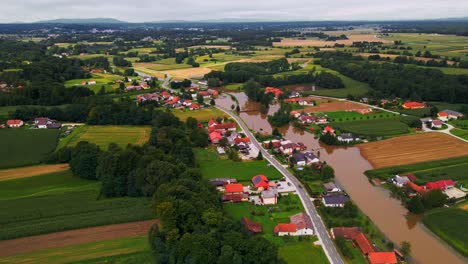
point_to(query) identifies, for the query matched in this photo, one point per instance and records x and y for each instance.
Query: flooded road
(387, 213)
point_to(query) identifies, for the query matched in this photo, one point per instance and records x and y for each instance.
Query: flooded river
(387, 213)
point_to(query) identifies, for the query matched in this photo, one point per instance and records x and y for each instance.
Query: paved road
(444, 131)
(320, 229)
(165, 83)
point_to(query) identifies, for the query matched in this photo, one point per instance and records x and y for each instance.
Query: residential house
(285, 229)
(260, 182)
(347, 233)
(329, 130)
(304, 158)
(194, 106)
(303, 224)
(149, 97)
(447, 114)
(3, 85)
(347, 137)
(227, 126)
(275, 143)
(307, 119)
(220, 150)
(253, 227)
(232, 137)
(335, 200)
(269, 197)
(440, 184)
(413, 105)
(240, 140)
(287, 147)
(400, 181)
(41, 122)
(294, 94)
(275, 91)
(319, 120)
(15, 123)
(235, 197)
(363, 243)
(233, 188)
(165, 95)
(221, 182)
(215, 137)
(382, 258)
(295, 114)
(436, 123)
(331, 187)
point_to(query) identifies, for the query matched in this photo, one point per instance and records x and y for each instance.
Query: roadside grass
(450, 225)
(201, 115)
(233, 86)
(46, 184)
(373, 127)
(454, 168)
(463, 124)
(72, 209)
(212, 166)
(357, 256)
(22, 146)
(422, 112)
(104, 135)
(459, 133)
(443, 105)
(302, 252)
(121, 250)
(340, 116)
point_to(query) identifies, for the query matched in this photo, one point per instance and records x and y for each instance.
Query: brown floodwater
(386, 212)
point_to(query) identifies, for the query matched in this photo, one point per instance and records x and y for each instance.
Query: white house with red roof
(15, 123)
(329, 130)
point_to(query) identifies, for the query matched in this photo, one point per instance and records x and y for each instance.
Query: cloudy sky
(155, 10)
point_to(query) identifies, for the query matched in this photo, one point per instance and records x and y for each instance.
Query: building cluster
(447, 186)
(39, 123)
(5, 87)
(296, 152)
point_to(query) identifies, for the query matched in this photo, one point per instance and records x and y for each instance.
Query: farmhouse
(44, 122)
(275, 91)
(227, 126)
(253, 227)
(215, 137)
(447, 114)
(235, 197)
(221, 182)
(272, 143)
(15, 123)
(303, 224)
(287, 147)
(400, 181)
(331, 187)
(363, 243)
(436, 124)
(269, 197)
(285, 229)
(382, 258)
(413, 105)
(347, 233)
(335, 200)
(194, 106)
(347, 137)
(260, 182)
(149, 97)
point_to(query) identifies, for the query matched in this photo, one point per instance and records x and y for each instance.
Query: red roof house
(194, 106)
(215, 137)
(382, 258)
(234, 188)
(441, 184)
(275, 91)
(329, 129)
(345, 232)
(235, 197)
(260, 181)
(254, 227)
(241, 140)
(224, 126)
(363, 243)
(15, 123)
(413, 105)
(285, 228)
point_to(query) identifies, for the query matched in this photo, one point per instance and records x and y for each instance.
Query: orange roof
(276, 91)
(364, 243)
(14, 122)
(234, 188)
(239, 140)
(412, 105)
(195, 106)
(442, 114)
(290, 228)
(416, 187)
(382, 258)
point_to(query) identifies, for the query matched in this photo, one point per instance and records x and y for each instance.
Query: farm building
(347, 233)
(235, 197)
(329, 130)
(382, 258)
(215, 137)
(363, 243)
(335, 200)
(436, 124)
(413, 105)
(447, 114)
(15, 123)
(285, 229)
(441, 185)
(234, 188)
(275, 91)
(260, 182)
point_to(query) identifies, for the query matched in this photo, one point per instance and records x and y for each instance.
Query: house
(275, 91)
(232, 188)
(275, 143)
(331, 187)
(221, 182)
(436, 123)
(416, 188)
(335, 200)
(232, 137)
(269, 197)
(400, 181)
(363, 243)
(447, 114)
(220, 150)
(410, 176)
(319, 120)
(347, 137)
(235, 197)
(15, 123)
(347, 233)
(287, 147)
(303, 224)
(215, 137)
(3, 85)
(382, 258)
(227, 126)
(253, 227)
(194, 106)
(165, 95)
(304, 158)
(295, 114)
(239, 140)
(413, 105)
(41, 122)
(440, 184)
(260, 182)
(307, 119)
(329, 130)
(52, 124)
(285, 229)
(294, 94)
(149, 97)
(174, 101)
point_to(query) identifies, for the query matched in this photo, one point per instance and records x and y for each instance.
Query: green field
(58, 202)
(460, 133)
(454, 169)
(450, 225)
(348, 116)
(121, 250)
(104, 135)
(373, 127)
(20, 147)
(302, 252)
(201, 115)
(212, 166)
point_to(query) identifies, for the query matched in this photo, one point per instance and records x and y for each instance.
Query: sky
(277, 10)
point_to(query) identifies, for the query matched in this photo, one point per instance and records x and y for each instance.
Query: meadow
(460, 133)
(58, 202)
(21, 147)
(450, 225)
(373, 127)
(104, 135)
(340, 116)
(302, 252)
(201, 115)
(212, 166)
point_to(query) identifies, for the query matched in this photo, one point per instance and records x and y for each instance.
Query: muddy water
(387, 213)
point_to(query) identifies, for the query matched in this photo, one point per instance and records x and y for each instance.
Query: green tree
(200, 98)
(415, 205)
(102, 90)
(260, 156)
(405, 248)
(434, 198)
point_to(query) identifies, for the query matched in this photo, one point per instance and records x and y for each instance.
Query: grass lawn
(58, 202)
(347, 116)
(104, 135)
(357, 256)
(450, 225)
(233, 86)
(460, 133)
(47, 184)
(20, 147)
(122, 250)
(422, 112)
(460, 123)
(302, 252)
(373, 127)
(454, 169)
(201, 115)
(212, 166)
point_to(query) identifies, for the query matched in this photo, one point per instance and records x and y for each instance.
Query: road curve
(320, 229)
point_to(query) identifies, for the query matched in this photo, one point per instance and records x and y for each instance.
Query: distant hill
(82, 21)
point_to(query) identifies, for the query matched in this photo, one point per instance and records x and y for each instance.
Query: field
(104, 135)
(334, 106)
(101, 79)
(10, 174)
(201, 115)
(302, 252)
(20, 147)
(412, 149)
(347, 116)
(212, 166)
(454, 168)
(460, 133)
(188, 73)
(133, 249)
(373, 127)
(323, 43)
(58, 202)
(450, 225)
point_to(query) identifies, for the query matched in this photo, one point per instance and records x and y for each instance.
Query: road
(444, 131)
(165, 83)
(320, 229)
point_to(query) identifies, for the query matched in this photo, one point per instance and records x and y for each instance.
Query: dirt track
(412, 149)
(24, 172)
(73, 237)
